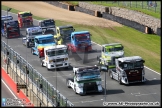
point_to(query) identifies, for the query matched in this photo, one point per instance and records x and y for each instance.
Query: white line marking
(96, 44)
(145, 94)
(151, 79)
(10, 91)
(87, 101)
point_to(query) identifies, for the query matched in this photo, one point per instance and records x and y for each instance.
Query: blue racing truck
(41, 42)
(80, 42)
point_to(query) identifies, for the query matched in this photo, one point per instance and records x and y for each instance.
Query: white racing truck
(55, 57)
(31, 32)
(128, 70)
(85, 80)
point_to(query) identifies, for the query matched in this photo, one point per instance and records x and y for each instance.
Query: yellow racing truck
(63, 33)
(110, 52)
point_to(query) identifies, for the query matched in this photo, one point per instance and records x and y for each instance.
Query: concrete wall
(131, 15)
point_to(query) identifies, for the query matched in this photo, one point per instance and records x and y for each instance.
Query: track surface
(148, 92)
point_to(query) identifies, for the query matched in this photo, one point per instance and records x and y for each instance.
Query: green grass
(135, 42)
(145, 9)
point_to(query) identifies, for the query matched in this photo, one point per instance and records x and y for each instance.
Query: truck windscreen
(80, 38)
(88, 73)
(45, 41)
(26, 14)
(56, 53)
(66, 31)
(132, 65)
(35, 33)
(49, 23)
(114, 49)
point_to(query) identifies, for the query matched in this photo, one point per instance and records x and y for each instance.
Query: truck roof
(5, 17)
(111, 44)
(34, 29)
(46, 20)
(79, 32)
(83, 69)
(131, 58)
(66, 26)
(11, 21)
(44, 36)
(54, 47)
(24, 12)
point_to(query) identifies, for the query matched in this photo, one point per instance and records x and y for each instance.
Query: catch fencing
(45, 92)
(154, 6)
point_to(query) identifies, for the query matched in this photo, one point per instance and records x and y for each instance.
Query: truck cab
(80, 42)
(11, 29)
(85, 80)
(55, 57)
(63, 34)
(41, 42)
(25, 19)
(128, 70)
(109, 52)
(3, 19)
(31, 32)
(48, 26)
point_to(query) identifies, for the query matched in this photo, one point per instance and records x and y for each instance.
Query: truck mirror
(74, 29)
(90, 34)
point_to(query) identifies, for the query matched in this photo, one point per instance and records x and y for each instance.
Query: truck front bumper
(58, 65)
(124, 80)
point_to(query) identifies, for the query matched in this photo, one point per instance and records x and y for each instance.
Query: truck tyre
(42, 63)
(67, 83)
(32, 51)
(110, 74)
(84, 93)
(27, 44)
(119, 79)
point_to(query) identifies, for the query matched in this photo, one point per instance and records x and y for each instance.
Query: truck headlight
(65, 58)
(50, 61)
(123, 74)
(143, 72)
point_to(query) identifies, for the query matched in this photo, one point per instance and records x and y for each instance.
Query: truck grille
(58, 60)
(90, 87)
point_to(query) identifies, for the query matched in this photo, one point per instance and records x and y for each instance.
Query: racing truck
(128, 70)
(31, 32)
(41, 42)
(85, 80)
(25, 19)
(48, 26)
(79, 42)
(11, 29)
(109, 52)
(4, 18)
(63, 34)
(55, 57)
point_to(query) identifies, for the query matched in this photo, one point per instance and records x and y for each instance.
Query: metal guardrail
(53, 95)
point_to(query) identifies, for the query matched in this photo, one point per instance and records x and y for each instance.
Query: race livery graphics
(25, 19)
(31, 32)
(3, 19)
(41, 42)
(80, 42)
(48, 26)
(11, 29)
(128, 70)
(63, 34)
(55, 57)
(109, 52)
(85, 80)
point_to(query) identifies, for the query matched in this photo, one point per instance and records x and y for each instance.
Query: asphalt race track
(147, 92)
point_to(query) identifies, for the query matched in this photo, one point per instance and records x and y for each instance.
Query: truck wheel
(27, 44)
(119, 79)
(110, 74)
(67, 83)
(42, 64)
(32, 51)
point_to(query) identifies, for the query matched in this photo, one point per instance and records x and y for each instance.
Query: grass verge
(135, 42)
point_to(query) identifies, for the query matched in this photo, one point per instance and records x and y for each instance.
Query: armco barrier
(12, 85)
(36, 82)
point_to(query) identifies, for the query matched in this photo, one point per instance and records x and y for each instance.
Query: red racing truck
(25, 19)
(11, 29)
